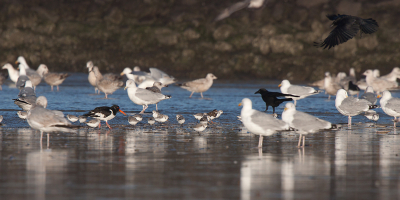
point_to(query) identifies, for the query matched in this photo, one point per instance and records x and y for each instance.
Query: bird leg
(191, 95)
(394, 122)
(260, 141)
(298, 145)
(57, 88)
(349, 125)
(48, 140)
(201, 95)
(108, 125)
(99, 124)
(295, 102)
(156, 107)
(52, 88)
(106, 95)
(41, 136)
(304, 141)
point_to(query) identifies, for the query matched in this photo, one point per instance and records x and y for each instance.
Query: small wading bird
(270, 98)
(347, 27)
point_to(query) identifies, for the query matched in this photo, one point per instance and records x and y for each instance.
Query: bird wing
(368, 26)
(300, 90)
(393, 104)
(354, 105)
(371, 97)
(346, 28)
(308, 123)
(148, 95)
(266, 121)
(47, 118)
(231, 9)
(154, 89)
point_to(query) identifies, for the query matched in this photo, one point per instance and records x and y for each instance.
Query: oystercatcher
(104, 113)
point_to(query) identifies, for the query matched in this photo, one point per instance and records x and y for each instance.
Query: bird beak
(257, 92)
(379, 96)
(121, 111)
(279, 85)
(240, 104)
(285, 108)
(125, 87)
(122, 73)
(16, 62)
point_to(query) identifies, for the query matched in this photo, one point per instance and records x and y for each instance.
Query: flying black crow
(347, 27)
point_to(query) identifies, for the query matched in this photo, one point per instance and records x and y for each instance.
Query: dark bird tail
(373, 106)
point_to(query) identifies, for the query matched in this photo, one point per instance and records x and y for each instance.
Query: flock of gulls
(144, 88)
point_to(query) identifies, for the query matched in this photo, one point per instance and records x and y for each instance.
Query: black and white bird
(138, 117)
(132, 120)
(239, 6)
(180, 119)
(270, 98)
(215, 114)
(104, 113)
(200, 127)
(347, 27)
(151, 120)
(22, 114)
(82, 119)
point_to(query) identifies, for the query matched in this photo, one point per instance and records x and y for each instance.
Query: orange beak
(240, 104)
(121, 111)
(379, 96)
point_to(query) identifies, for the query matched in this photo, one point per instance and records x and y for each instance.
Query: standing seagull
(390, 105)
(270, 98)
(143, 97)
(301, 91)
(303, 122)
(239, 6)
(12, 73)
(347, 27)
(26, 97)
(107, 84)
(199, 85)
(260, 123)
(51, 78)
(33, 75)
(92, 77)
(351, 106)
(45, 120)
(104, 113)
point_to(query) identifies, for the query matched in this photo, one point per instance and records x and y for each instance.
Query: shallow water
(169, 161)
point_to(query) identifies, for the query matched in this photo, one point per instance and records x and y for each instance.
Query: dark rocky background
(180, 37)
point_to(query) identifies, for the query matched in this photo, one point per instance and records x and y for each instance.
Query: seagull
(107, 84)
(347, 27)
(351, 106)
(104, 113)
(303, 123)
(331, 87)
(22, 78)
(92, 77)
(260, 123)
(199, 85)
(12, 73)
(137, 78)
(2, 79)
(156, 88)
(33, 75)
(45, 120)
(143, 97)
(132, 120)
(239, 6)
(270, 98)
(369, 95)
(26, 97)
(1, 118)
(301, 91)
(72, 118)
(393, 75)
(51, 78)
(155, 75)
(378, 84)
(93, 123)
(390, 105)
(180, 119)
